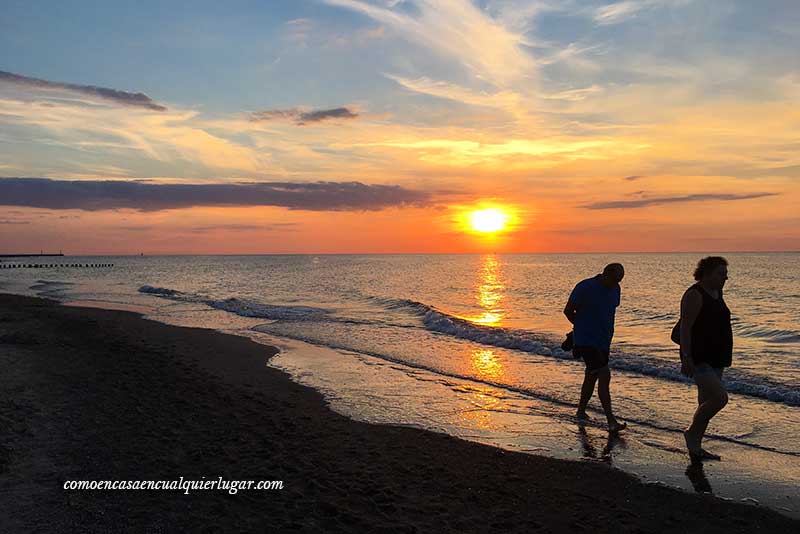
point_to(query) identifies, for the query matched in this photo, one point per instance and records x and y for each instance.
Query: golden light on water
(489, 292)
(487, 405)
(486, 364)
(489, 220)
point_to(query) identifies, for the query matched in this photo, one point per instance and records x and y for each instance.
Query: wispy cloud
(617, 12)
(519, 15)
(621, 11)
(641, 203)
(468, 152)
(456, 29)
(233, 227)
(124, 98)
(105, 195)
(165, 137)
(301, 117)
(633, 178)
(574, 95)
(507, 100)
(299, 31)
(274, 227)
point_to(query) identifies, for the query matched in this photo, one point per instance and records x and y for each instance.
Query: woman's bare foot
(692, 443)
(616, 426)
(705, 455)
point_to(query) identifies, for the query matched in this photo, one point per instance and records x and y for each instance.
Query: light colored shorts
(704, 369)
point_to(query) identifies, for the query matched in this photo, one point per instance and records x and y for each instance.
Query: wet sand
(373, 390)
(91, 394)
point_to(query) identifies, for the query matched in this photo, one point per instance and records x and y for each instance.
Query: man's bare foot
(616, 426)
(581, 415)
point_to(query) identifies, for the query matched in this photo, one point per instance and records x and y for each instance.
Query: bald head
(613, 273)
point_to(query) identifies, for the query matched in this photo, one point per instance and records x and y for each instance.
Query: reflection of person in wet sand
(706, 342)
(591, 309)
(589, 449)
(698, 478)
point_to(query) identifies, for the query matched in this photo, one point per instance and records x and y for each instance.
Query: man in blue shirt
(591, 308)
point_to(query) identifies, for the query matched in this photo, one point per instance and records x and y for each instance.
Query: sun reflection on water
(486, 407)
(489, 292)
(487, 365)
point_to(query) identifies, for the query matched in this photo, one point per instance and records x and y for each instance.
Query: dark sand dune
(90, 394)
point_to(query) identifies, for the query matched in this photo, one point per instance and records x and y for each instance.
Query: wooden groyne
(40, 255)
(54, 265)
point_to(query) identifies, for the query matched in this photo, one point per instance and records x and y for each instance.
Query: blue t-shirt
(596, 306)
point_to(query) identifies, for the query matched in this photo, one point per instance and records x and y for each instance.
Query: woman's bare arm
(691, 303)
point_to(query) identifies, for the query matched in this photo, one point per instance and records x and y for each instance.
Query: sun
(489, 220)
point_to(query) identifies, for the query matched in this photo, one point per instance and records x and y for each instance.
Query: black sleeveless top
(712, 336)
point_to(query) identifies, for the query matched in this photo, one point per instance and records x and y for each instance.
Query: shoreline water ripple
(525, 341)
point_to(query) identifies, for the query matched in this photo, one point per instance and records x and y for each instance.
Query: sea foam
(439, 321)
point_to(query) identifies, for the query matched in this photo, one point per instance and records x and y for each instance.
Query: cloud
(124, 98)
(633, 178)
(468, 152)
(520, 15)
(174, 137)
(301, 117)
(621, 11)
(514, 103)
(270, 227)
(245, 228)
(325, 114)
(617, 204)
(617, 12)
(94, 195)
(14, 222)
(456, 29)
(136, 228)
(755, 171)
(273, 114)
(506, 100)
(574, 95)
(298, 31)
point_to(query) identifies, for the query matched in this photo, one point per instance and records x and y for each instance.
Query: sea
(470, 345)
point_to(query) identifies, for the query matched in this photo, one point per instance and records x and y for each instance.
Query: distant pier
(21, 265)
(29, 255)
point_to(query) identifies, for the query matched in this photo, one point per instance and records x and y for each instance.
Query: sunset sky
(326, 126)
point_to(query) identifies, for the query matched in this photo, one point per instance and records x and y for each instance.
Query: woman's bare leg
(712, 398)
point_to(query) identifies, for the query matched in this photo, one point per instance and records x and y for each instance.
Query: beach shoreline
(93, 394)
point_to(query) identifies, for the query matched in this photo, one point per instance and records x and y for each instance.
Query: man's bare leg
(604, 392)
(587, 390)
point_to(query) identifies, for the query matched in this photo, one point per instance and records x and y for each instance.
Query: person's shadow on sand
(590, 450)
(696, 475)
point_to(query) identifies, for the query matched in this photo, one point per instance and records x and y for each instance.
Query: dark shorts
(593, 357)
(702, 369)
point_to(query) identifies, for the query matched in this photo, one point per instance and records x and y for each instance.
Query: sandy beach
(91, 394)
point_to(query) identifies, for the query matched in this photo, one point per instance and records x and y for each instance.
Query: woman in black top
(706, 347)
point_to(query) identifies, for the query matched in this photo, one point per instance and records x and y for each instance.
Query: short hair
(708, 264)
(613, 267)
